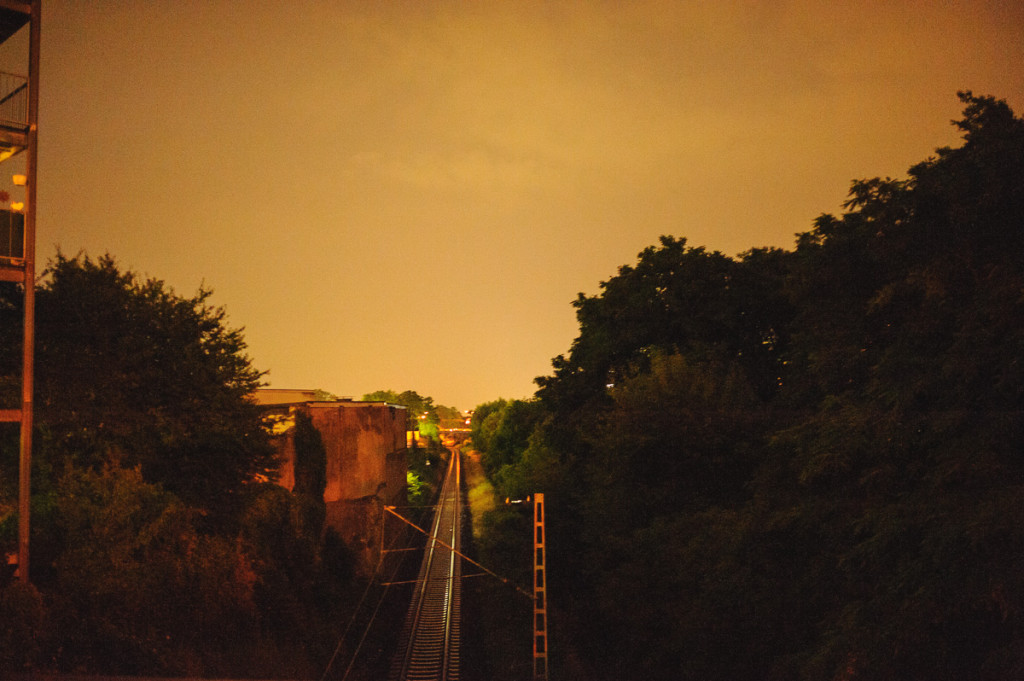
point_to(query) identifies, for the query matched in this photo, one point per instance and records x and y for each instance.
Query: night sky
(409, 195)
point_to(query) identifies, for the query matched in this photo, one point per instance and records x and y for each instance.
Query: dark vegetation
(803, 464)
(792, 464)
(424, 459)
(496, 617)
(160, 544)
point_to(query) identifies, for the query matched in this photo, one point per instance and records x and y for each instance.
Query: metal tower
(19, 110)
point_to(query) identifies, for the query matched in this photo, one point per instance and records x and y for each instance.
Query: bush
(22, 623)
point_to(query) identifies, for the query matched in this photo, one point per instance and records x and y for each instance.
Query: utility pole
(540, 598)
(540, 589)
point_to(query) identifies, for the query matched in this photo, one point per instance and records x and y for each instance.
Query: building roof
(268, 396)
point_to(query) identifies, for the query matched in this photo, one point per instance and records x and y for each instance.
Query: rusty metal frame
(22, 270)
(540, 591)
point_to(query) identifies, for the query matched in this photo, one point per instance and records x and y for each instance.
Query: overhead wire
(390, 582)
(366, 630)
(504, 580)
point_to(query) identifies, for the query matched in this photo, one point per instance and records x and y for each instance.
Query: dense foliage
(500, 430)
(422, 412)
(423, 459)
(159, 544)
(798, 464)
(129, 373)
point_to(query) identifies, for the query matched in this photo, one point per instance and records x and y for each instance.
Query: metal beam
(15, 6)
(15, 274)
(29, 343)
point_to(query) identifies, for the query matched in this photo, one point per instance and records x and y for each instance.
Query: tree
(501, 431)
(310, 473)
(910, 461)
(128, 546)
(163, 547)
(484, 422)
(675, 299)
(422, 413)
(129, 373)
(805, 464)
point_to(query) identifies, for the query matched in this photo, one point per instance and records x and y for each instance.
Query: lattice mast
(540, 597)
(19, 115)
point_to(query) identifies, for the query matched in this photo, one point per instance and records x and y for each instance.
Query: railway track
(429, 646)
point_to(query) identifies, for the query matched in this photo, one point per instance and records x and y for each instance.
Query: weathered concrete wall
(285, 446)
(359, 522)
(365, 443)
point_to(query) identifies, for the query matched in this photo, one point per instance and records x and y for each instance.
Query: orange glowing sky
(408, 195)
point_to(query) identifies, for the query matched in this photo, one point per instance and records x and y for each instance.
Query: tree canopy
(804, 463)
(129, 372)
(423, 414)
(159, 546)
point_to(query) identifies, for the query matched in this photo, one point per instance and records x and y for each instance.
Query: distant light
(19, 180)
(17, 205)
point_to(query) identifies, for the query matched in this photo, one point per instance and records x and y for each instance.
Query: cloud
(463, 171)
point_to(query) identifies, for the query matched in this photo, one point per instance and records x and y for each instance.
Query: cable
(366, 633)
(388, 584)
(504, 580)
(347, 628)
(358, 607)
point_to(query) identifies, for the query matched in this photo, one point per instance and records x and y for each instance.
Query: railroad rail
(429, 646)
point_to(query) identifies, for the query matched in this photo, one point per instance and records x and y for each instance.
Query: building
(366, 467)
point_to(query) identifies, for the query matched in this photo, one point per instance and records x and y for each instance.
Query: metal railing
(13, 100)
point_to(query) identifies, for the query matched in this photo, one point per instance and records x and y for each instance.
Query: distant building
(281, 396)
(366, 466)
